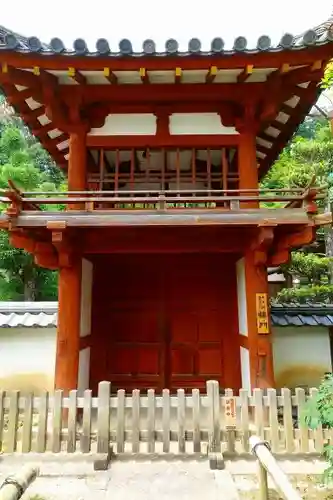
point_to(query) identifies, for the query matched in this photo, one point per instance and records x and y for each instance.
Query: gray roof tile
(320, 35)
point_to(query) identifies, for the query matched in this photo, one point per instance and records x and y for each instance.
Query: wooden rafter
(110, 76)
(144, 75)
(211, 74)
(75, 75)
(247, 71)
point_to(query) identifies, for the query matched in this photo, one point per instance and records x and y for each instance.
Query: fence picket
(85, 444)
(135, 421)
(166, 420)
(288, 420)
(2, 418)
(196, 421)
(11, 442)
(103, 417)
(303, 429)
(273, 420)
(258, 412)
(181, 420)
(72, 422)
(244, 415)
(27, 423)
(137, 418)
(120, 421)
(151, 421)
(42, 422)
(57, 421)
(213, 395)
(317, 433)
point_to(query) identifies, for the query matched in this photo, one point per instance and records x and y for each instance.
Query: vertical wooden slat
(196, 421)
(148, 165)
(2, 420)
(151, 421)
(178, 169)
(57, 415)
(135, 421)
(103, 417)
(209, 170)
(181, 420)
(317, 433)
(193, 164)
(120, 421)
(303, 428)
(224, 170)
(71, 425)
(164, 165)
(85, 444)
(116, 173)
(42, 422)
(101, 169)
(244, 416)
(27, 423)
(166, 420)
(213, 396)
(230, 424)
(273, 420)
(258, 412)
(288, 420)
(11, 441)
(132, 169)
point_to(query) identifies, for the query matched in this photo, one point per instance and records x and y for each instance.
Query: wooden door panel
(134, 325)
(210, 361)
(182, 362)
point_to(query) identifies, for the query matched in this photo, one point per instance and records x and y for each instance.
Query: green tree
(28, 165)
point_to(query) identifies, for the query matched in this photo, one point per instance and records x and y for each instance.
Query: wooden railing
(268, 465)
(148, 423)
(163, 200)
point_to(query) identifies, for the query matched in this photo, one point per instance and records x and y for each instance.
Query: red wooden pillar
(255, 339)
(68, 334)
(69, 291)
(247, 164)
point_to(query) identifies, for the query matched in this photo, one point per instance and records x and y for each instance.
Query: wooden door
(194, 305)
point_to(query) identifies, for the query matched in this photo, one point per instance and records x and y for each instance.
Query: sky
(180, 19)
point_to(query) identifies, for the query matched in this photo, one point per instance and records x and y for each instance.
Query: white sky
(180, 19)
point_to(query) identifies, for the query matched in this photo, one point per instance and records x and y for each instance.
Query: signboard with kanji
(262, 313)
(230, 412)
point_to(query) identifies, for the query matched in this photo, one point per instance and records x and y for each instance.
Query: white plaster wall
(86, 294)
(27, 358)
(84, 369)
(301, 355)
(179, 123)
(241, 297)
(245, 367)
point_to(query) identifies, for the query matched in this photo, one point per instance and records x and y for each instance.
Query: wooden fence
(147, 423)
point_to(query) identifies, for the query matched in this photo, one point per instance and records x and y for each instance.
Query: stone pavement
(145, 480)
(129, 480)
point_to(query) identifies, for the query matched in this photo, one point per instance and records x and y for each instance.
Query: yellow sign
(262, 313)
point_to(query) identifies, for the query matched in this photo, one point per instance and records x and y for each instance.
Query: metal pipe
(266, 460)
(14, 486)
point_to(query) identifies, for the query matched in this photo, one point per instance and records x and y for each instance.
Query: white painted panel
(274, 132)
(43, 120)
(86, 294)
(301, 355)
(32, 103)
(84, 370)
(241, 297)
(245, 368)
(198, 123)
(54, 133)
(27, 358)
(127, 124)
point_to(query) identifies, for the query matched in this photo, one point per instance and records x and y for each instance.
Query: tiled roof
(318, 36)
(302, 315)
(44, 314)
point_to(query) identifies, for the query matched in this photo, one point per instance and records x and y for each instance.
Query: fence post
(103, 426)
(214, 434)
(13, 487)
(266, 460)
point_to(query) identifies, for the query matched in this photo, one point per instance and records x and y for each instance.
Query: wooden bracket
(281, 253)
(262, 243)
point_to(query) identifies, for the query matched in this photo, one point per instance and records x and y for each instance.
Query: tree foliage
(309, 154)
(28, 165)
